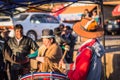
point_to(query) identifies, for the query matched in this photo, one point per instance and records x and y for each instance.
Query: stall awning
(77, 9)
(116, 11)
(74, 13)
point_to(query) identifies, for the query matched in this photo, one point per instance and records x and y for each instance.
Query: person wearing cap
(5, 58)
(86, 14)
(88, 61)
(20, 46)
(49, 54)
(58, 37)
(5, 33)
(62, 43)
(95, 16)
(67, 35)
(57, 33)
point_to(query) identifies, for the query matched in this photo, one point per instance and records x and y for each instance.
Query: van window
(43, 18)
(38, 18)
(21, 17)
(50, 19)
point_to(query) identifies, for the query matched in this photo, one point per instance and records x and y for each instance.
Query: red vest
(82, 63)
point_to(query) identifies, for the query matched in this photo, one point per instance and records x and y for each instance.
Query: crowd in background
(65, 38)
(15, 54)
(94, 15)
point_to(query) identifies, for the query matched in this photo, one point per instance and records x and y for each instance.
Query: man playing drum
(49, 54)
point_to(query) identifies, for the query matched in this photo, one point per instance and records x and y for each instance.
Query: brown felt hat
(88, 28)
(47, 33)
(57, 31)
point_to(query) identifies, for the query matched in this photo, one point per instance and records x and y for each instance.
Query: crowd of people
(16, 56)
(94, 15)
(55, 51)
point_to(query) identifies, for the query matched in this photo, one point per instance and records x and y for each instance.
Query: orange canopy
(77, 9)
(74, 12)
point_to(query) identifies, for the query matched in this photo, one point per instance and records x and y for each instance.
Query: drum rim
(45, 74)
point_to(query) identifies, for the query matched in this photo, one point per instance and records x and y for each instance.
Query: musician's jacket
(88, 61)
(52, 56)
(22, 49)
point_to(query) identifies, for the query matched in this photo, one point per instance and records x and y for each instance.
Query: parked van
(34, 22)
(6, 21)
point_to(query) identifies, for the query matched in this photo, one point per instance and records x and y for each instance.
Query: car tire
(32, 34)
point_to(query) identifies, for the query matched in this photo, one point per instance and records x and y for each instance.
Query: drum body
(44, 76)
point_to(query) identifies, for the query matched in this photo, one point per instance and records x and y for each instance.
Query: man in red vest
(88, 61)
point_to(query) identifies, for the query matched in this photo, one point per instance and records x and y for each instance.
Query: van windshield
(21, 17)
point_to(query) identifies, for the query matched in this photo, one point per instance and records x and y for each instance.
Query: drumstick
(65, 52)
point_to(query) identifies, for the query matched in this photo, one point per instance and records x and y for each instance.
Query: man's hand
(67, 47)
(62, 64)
(41, 59)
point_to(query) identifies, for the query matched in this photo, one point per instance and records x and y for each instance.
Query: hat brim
(78, 30)
(47, 36)
(6, 31)
(1, 30)
(57, 32)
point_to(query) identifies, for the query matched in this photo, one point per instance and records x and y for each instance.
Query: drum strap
(45, 52)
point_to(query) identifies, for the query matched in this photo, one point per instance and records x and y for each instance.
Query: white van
(34, 22)
(6, 21)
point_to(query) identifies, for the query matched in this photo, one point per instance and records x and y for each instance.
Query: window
(38, 18)
(43, 18)
(21, 17)
(50, 19)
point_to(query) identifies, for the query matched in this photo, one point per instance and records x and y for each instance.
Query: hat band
(83, 28)
(48, 36)
(88, 23)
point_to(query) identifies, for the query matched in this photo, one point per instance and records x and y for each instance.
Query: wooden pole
(102, 24)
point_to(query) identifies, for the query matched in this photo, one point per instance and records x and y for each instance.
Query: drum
(44, 76)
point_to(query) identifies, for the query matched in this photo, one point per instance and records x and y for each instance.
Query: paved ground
(112, 44)
(112, 57)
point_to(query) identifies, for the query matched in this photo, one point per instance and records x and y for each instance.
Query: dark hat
(1, 30)
(57, 31)
(47, 33)
(4, 30)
